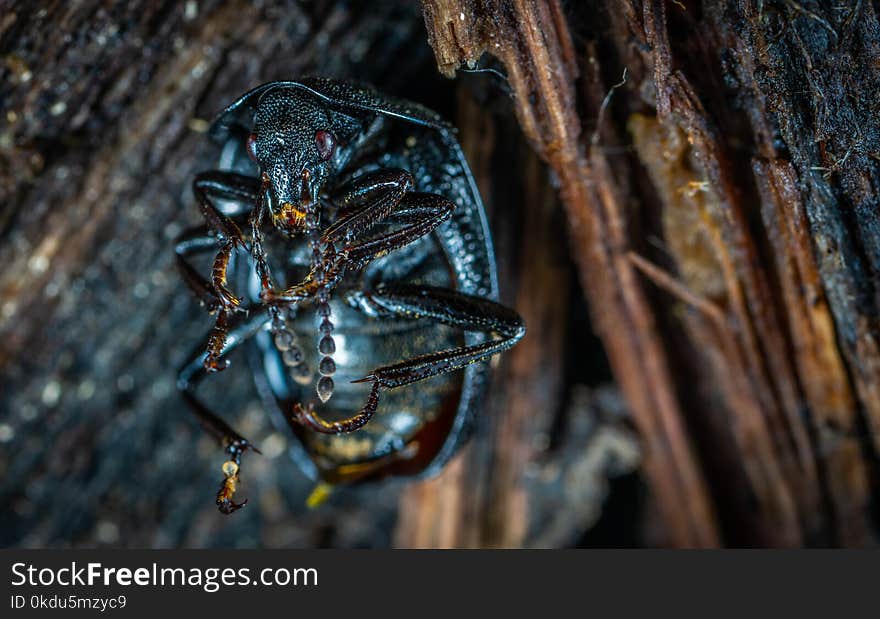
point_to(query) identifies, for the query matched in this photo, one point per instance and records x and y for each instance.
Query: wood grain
(726, 249)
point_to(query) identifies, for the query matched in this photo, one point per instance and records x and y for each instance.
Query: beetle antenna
(326, 346)
(291, 353)
(322, 254)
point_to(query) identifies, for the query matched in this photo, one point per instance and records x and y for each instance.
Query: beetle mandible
(363, 205)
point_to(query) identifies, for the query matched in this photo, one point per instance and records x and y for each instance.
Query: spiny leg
(255, 221)
(243, 191)
(363, 202)
(420, 212)
(228, 301)
(423, 212)
(238, 188)
(449, 307)
(196, 241)
(200, 240)
(190, 375)
(235, 187)
(443, 305)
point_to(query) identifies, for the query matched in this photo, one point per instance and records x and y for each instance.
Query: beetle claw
(231, 469)
(227, 489)
(227, 506)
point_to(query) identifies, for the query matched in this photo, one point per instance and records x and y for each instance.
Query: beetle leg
(240, 189)
(190, 375)
(366, 201)
(194, 241)
(309, 287)
(308, 417)
(243, 191)
(235, 187)
(450, 307)
(363, 202)
(423, 212)
(443, 305)
(228, 301)
(214, 294)
(258, 252)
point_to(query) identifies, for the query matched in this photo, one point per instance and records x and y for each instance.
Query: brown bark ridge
(511, 487)
(722, 210)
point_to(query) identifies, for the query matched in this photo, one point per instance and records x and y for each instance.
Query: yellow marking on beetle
(319, 495)
(230, 468)
(230, 484)
(291, 214)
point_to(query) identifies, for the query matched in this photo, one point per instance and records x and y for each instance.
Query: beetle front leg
(228, 301)
(422, 212)
(366, 201)
(443, 305)
(199, 240)
(196, 241)
(190, 375)
(236, 187)
(244, 191)
(258, 252)
(228, 185)
(241, 189)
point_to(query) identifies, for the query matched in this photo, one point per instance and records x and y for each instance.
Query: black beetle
(356, 186)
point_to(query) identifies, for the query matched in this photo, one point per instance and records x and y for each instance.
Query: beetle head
(294, 144)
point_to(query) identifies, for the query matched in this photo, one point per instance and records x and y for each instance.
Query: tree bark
(723, 216)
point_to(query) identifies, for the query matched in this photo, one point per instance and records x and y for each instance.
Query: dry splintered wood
(723, 215)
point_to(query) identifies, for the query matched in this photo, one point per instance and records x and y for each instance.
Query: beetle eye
(326, 142)
(251, 146)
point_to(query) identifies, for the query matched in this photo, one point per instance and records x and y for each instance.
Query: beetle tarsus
(231, 469)
(307, 416)
(213, 361)
(236, 331)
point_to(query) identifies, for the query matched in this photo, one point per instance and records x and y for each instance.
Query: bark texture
(723, 216)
